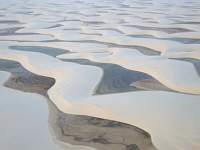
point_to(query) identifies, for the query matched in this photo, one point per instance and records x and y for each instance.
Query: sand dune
(131, 61)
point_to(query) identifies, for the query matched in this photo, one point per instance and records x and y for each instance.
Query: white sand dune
(138, 35)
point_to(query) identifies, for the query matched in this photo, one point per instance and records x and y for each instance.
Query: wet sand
(41, 49)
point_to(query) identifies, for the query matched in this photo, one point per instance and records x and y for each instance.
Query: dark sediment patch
(102, 134)
(118, 79)
(185, 40)
(72, 29)
(3, 9)
(93, 22)
(9, 40)
(71, 20)
(85, 22)
(187, 22)
(99, 133)
(56, 4)
(97, 34)
(142, 36)
(111, 29)
(137, 7)
(22, 79)
(166, 30)
(41, 49)
(10, 22)
(157, 13)
(13, 31)
(54, 26)
(91, 15)
(124, 6)
(101, 7)
(181, 40)
(82, 14)
(155, 22)
(142, 49)
(132, 147)
(24, 12)
(9, 31)
(151, 85)
(102, 11)
(116, 9)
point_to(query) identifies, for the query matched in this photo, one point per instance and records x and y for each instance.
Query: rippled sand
(131, 61)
